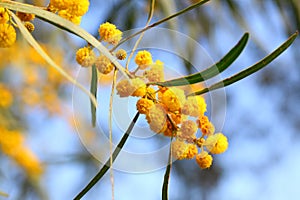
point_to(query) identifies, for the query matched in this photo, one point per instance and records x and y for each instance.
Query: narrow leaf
(94, 84)
(27, 35)
(213, 70)
(3, 194)
(65, 25)
(254, 68)
(167, 176)
(106, 166)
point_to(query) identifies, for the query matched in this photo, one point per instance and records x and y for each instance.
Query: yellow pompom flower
(10, 140)
(104, 65)
(182, 150)
(194, 106)
(216, 143)
(204, 160)
(124, 88)
(109, 33)
(60, 4)
(157, 118)
(30, 26)
(121, 54)
(6, 97)
(139, 87)
(143, 59)
(4, 17)
(156, 72)
(207, 128)
(85, 57)
(72, 18)
(173, 98)
(78, 8)
(188, 129)
(7, 35)
(25, 16)
(143, 105)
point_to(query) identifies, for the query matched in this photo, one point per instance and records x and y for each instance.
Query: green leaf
(106, 166)
(167, 176)
(213, 70)
(94, 84)
(3, 194)
(254, 68)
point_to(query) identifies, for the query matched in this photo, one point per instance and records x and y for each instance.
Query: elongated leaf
(64, 24)
(165, 186)
(254, 68)
(94, 84)
(39, 49)
(3, 194)
(106, 166)
(213, 70)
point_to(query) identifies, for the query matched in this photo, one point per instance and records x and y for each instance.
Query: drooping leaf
(213, 70)
(94, 84)
(254, 68)
(106, 166)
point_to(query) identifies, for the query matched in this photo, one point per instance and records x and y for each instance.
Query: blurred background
(262, 117)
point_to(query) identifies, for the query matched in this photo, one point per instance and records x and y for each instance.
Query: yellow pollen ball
(178, 149)
(109, 33)
(6, 97)
(173, 98)
(216, 143)
(30, 26)
(25, 16)
(72, 18)
(143, 105)
(139, 87)
(204, 160)
(207, 128)
(4, 17)
(60, 4)
(78, 8)
(156, 72)
(188, 129)
(157, 118)
(85, 57)
(143, 59)
(7, 35)
(121, 54)
(124, 88)
(194, 106)
(104, 65)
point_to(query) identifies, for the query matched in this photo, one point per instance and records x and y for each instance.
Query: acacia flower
(109, 33)
(104, 65)
(143, 59)
(173, 98)
(156, 72)
(7, 35)
(194, 106)
(60, 4)
(29, 26)
(143, 105)
(78, 8)
(72, 18)
(216, 143)
(181, 150)
(204, 160)
(121, 54)
(188, 129)
(207, 128)
(157, 118)
(6, 97)
(85, 57)
(4, 17)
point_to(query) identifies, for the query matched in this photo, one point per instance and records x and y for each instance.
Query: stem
(106, 166)
(167, 176)
(161, 21)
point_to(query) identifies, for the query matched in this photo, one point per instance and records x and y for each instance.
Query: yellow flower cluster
(109, 33)
(12, 144)
(169, 112)
(7, 31)
(71, 10)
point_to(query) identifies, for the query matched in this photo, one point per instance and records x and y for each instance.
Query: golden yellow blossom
(109, 33)
(173, 98)
(139, 87)
(124, 88)
(216, 143)
(156, 72)
(85, 57)
(60, 4)
(78, 8)
(104, 65)
(207, 128)
(72, 18)
(121, 54)
(157, 118)
(182, 150)
(30, 26)
(7, 35)
(204, 160)
(194, 106)
(188, 129)
(4, 17)
(143, 105)
(143, 59)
